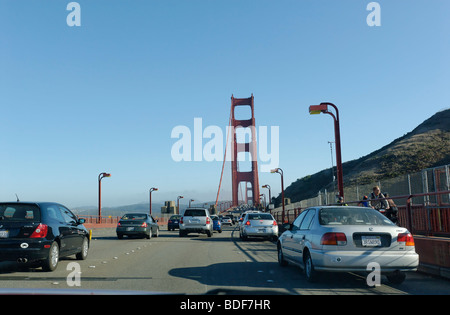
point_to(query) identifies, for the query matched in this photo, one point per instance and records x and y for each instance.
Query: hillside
(428, 145)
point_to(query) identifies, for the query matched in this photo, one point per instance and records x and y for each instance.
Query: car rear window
(19, 212)
(134, 216)
(195, 213)
(260, 216)
(352, 216)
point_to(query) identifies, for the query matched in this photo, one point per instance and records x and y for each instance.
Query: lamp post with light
(323, 108)
(280, 171)
(270, 193)
(100, 177)
(178, 203)
(150, 193)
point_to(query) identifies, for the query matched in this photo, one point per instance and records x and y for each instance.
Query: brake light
(275, 223)
(181, 220)
(208, 220)
(144, 224)
(406, 238)
(40, 232)
(119, 224)
(248, 223)
(334, 239)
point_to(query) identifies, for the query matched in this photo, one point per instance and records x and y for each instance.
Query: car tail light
(181, 220)
(406, 238)
(275, 223)
(208, 220)
(41, 231)
(170, 221)
(334, 239)
(248, 223)
(119, 224)
(144, 224)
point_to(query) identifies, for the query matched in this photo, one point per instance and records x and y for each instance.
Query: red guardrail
(429, 219)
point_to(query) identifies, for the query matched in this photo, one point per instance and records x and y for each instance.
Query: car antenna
(17, 198)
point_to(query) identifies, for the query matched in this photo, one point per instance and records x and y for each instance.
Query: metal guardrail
(112, 220)
(429, 219)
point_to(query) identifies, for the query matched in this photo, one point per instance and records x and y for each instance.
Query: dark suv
(40, 232)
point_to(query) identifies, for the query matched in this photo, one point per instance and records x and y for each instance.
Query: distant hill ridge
(428, 145)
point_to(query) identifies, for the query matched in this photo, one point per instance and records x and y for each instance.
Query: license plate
(371, 240)
(130, 228)
(4, 234)
(261, 230)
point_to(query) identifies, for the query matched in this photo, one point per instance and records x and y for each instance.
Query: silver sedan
(258, 225)
(347, 239)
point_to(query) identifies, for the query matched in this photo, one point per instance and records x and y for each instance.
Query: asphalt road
(197, 265)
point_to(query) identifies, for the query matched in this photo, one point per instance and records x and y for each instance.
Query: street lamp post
(190, 200)
(270, 193)
(263, 197)
(323, 108)
(100, 177)
(280, 171)
(150, 193)
(178, 203)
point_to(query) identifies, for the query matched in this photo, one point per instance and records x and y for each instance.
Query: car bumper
(260, 231)
(196, 228)
(357, 261)
(29, 249)
(132, 230)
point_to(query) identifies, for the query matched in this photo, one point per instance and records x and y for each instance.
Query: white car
(258, 225)
(347, 239)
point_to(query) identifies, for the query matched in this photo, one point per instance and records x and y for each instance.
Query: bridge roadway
(197, 265)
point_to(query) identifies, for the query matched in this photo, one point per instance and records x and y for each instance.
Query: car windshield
(195, 213)
(260, 216)
(19, 212)
(352, 216)
(134, 216)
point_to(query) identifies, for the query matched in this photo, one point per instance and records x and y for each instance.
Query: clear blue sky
(105, 96)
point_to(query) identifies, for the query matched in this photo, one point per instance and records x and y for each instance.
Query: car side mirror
(287, 226)
(81, 221)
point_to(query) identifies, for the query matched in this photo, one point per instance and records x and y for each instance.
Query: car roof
(38, 203)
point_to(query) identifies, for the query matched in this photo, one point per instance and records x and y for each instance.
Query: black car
(137, 224)
(174, 222)
(40, 232)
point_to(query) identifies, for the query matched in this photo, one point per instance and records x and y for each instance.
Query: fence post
(409, 224)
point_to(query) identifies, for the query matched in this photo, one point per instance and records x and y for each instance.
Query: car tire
(310, 272)
(84, 250)
(51, 262)
(396, 277)
(157, 232)
(119, 236)
(209, 233)
(149, 235)
(281, 261)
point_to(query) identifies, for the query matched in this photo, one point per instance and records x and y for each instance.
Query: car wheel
(149, 235)
(209, 233)
(119, 236)
(157, 233)
(51, 262)
(310, 272)
(84, 250)
(397, 277)
(281, 261)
